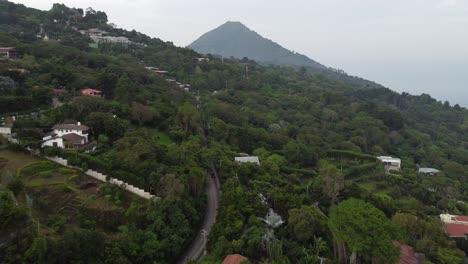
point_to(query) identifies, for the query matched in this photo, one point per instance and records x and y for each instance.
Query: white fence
(104, 178)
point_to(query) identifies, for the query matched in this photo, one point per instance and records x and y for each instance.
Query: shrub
(16, 185)
(37, 167)
(56, 222)
(46, 174)
(53, 151)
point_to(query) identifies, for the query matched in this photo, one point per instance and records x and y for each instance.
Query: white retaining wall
(102, 177)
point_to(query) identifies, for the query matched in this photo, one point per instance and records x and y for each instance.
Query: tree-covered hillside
(233, 39)
(316, 133)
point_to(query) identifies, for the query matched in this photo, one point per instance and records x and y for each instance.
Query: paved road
(197, 249)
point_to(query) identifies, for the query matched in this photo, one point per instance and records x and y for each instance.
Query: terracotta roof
(58, 90)
(456, 230)
(407, 253)
(7, 48)
(74, 138)
(89, 90)
(234, 259)
(461, 218)
(70, 127)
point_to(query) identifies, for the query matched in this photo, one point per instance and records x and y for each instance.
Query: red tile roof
(407, 253)
(7, 49)
(456, 230)
(461, 218)
(90, 90)
(74, 138)
(57, 91)
(234, 259)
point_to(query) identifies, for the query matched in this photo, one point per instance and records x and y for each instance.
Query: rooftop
(389, 159)
(74, 138)
(89, 90)
(456, 230)
(234, 259)
(7, 48)
(407, 253)
(428, 170)
(251, 159)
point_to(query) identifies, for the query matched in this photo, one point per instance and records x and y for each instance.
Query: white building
(429, 171)
(391, 164)
(250, 159)
(67, 136)
(5, 130)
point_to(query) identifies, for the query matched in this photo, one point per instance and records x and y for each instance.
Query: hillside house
(429, 171)
(391, 164)
(248, 159)
(6, 126)
(202, 59)
(8, 52)
(93, 32)
(91, 92)
(67, 136)
(455, 226)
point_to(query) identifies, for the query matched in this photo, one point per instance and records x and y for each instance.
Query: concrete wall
(50, 143)
(101, 177)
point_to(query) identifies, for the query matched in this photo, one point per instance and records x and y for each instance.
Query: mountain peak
(234, 39)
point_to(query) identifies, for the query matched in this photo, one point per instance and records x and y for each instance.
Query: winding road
(198, 246)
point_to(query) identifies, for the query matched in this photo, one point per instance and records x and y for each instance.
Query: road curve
(197, 248)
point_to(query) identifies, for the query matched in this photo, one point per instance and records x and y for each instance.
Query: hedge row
(337, 153)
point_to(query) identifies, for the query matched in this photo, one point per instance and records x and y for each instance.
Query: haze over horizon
(414, 46)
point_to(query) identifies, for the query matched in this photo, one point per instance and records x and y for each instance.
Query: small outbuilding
(391, 164)
(248, 159)
(91, 92)
(429, 171)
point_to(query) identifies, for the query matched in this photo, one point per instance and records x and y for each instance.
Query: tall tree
(366, 231)
(124, 89)
(331, 179)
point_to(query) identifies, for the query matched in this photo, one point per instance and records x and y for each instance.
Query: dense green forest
(317, 134)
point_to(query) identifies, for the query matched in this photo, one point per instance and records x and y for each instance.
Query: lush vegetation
(316, 133)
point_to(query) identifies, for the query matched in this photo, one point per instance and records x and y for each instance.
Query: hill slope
(236, 40)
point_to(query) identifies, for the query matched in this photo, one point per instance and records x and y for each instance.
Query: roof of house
(234, 259)
(252, 159)
(407, 253)
(428, 170)
(389, 159)
(70, 127)
(460, 218)
(456, 230)
(74, 138)
(89, 90)
(7, 48)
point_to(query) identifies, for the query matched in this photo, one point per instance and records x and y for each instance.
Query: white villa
(391, 164)
(250, 159)
(67, 136)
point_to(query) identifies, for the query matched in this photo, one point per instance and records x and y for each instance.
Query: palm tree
(320, 245)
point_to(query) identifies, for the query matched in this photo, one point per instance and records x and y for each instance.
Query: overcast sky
(418, 46)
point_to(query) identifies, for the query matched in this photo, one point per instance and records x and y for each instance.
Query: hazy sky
(418, 46)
